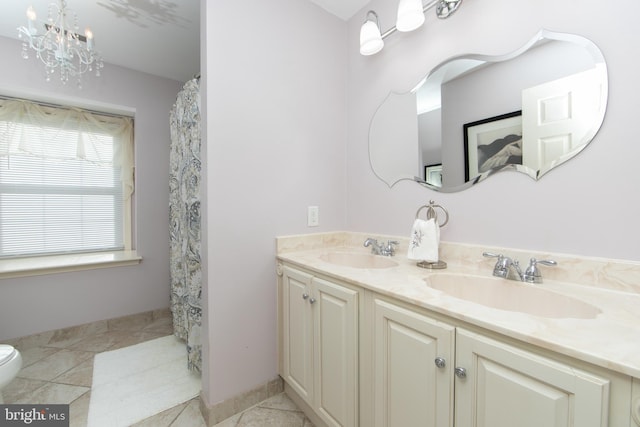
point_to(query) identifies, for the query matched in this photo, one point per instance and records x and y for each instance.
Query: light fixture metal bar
(425, 8)
(75, 36)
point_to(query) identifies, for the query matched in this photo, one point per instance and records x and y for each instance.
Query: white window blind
(66, 179)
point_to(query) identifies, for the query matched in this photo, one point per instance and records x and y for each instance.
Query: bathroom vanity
(366, 340)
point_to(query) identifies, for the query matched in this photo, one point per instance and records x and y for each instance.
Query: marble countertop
(610, 340)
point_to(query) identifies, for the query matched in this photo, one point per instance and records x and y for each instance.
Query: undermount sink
(511, 296)
(358, 260)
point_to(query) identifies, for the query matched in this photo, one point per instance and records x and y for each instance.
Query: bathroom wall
(430, 135)
(41, 303)
(274, 76)
(588, 206)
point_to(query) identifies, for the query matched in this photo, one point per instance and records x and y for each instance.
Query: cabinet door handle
(305, 296)
(312, 300)
(461, 372)
(440, 362)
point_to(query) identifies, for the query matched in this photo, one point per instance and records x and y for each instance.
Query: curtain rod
(65, 107)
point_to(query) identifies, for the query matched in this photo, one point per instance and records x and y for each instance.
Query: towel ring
(431, 212)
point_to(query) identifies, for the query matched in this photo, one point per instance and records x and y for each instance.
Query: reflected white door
(559, 116)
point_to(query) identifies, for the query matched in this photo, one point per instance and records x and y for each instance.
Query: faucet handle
(491, 255)
(502, 264)
(389, 248)
(532, 273)
(501, 258)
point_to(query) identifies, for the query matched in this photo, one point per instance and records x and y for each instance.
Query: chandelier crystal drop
(59, 45)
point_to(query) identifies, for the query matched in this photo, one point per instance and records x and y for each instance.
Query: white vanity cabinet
(319, 345)
(505, 386)
(635, 402)
(425, 371)
(412, 361)
(353, 357)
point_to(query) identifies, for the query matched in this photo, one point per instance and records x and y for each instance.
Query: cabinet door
(409, 389)
(336, 353)
(506, 387)
(297, 332)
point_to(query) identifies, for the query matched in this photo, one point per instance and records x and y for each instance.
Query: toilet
(10, 364)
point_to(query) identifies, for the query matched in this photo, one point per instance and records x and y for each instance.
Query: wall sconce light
(370, 37)
(410, 17)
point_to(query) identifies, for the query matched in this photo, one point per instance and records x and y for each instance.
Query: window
(66, 180)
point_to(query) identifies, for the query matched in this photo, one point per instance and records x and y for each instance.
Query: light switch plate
(313, 219)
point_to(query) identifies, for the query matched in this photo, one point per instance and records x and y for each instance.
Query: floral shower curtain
(184, 220)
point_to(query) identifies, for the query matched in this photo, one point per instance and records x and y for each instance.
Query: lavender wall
(586, 207)
(287, 95)
(275, 106)
(36, 304)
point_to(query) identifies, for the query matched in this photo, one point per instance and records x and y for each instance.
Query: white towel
(425, 239)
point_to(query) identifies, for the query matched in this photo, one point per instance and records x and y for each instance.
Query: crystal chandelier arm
(60, 47)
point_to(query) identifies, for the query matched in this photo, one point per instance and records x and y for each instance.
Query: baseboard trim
(221, 411)
(304, 406)
(133, 322)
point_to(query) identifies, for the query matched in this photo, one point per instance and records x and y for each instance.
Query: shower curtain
(184, 221)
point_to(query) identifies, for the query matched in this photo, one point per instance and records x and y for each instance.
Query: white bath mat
(133, 383)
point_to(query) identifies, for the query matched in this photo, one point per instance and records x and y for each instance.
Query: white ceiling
(160, 37)
(343, 9)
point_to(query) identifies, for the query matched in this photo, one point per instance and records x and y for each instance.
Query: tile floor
(58, 368)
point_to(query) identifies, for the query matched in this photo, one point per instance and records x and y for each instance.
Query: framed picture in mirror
(492, 143)
(433, 174)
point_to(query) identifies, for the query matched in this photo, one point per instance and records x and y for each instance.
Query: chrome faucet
(532, 273)
(387, 249)
(508, 268)
(505, 267)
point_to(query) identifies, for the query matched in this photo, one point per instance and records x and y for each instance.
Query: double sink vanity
(367, 340)
(373, 341)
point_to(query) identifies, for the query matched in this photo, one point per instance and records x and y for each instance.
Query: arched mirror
(474, 115)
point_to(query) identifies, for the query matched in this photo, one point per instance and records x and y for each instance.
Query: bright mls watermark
(34, 415)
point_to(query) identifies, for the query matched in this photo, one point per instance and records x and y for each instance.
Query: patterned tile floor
(60, 370)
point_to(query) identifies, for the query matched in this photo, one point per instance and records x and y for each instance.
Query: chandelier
(59, 45)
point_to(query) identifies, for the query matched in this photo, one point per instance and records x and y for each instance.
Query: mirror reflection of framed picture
(492, 143)
(433, 174)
